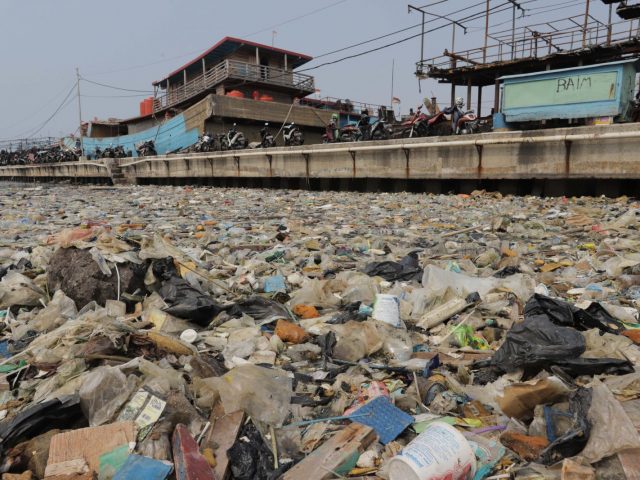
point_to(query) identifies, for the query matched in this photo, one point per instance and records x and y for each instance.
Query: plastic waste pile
(198, 333)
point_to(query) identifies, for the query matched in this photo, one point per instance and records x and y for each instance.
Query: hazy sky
(130, 43)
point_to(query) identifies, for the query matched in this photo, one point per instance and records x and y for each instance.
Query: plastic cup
(189, 335)
(386, 309)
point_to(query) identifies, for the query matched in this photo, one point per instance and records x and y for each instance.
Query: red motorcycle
(416, 125)
(423, 125)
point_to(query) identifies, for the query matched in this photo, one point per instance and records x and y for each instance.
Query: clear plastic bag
(356, 340)
(611, 429)
(60, 309)
(316, 293)
(436, 281)
(397, 343)
(263, 393)
(104, 392)
(16, 289)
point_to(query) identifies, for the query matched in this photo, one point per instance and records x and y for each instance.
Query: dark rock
(75, 273)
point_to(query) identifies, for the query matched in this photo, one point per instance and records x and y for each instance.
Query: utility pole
(393, 68)
(586, 23)
(486, 34)
(609, 25)
(424, 12)
(80, 112)
(513, 33)
(513, 26)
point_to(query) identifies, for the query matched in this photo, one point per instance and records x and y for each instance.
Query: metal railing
(342, 105)
(19, 144)
(531, 44)
(233, 69)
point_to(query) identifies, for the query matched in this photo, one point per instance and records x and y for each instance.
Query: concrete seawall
(600, 153)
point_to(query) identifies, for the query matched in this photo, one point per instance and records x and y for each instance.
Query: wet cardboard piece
(520, 399)
(69, 450)
(335, 455)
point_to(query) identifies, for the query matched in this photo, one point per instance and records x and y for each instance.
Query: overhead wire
(406, 39)
(299, 17)
(114, 87)
(364, 42)
(137, 95)
(135, 67)
(43, 106)
(66, 102)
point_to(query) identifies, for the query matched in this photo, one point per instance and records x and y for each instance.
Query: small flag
(395, 100)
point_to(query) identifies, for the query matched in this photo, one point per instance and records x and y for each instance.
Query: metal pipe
(486, 34)
(586, 22)
(513, 33)
(79, 112)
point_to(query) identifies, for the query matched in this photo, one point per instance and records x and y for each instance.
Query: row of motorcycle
(236, 140)
(30, 156)
(453, 120)
(144, 149)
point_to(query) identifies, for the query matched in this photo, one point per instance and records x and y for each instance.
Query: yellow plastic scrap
(550, 267)
(184, 268)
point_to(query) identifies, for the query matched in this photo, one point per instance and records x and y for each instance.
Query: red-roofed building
(248, 69)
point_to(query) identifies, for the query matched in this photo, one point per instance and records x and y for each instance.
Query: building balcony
(235, 73)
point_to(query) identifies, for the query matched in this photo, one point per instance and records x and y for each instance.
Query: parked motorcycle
(206, 143)
(414, 126)
(462, 122)
(111, 152)
(350, 133)
(147, 149)
(293, 136)
(364, 126)
(33, 155)
(467, 124)
(267, 140)
(332, 132)
(233, 140)
(379, 130)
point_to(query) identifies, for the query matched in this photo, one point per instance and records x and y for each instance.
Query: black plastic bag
(183, 299)
(62, 412)
(259, 308)
(507, 272)
(567, 315)
(349, 312)
(576, 438)
(406, 269)
(537, 343)
(251, 459)
(595, 366)
(549, 337)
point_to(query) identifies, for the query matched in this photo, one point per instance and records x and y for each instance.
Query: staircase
(117, 177)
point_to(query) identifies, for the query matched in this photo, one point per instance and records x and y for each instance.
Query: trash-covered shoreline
(201, 333)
